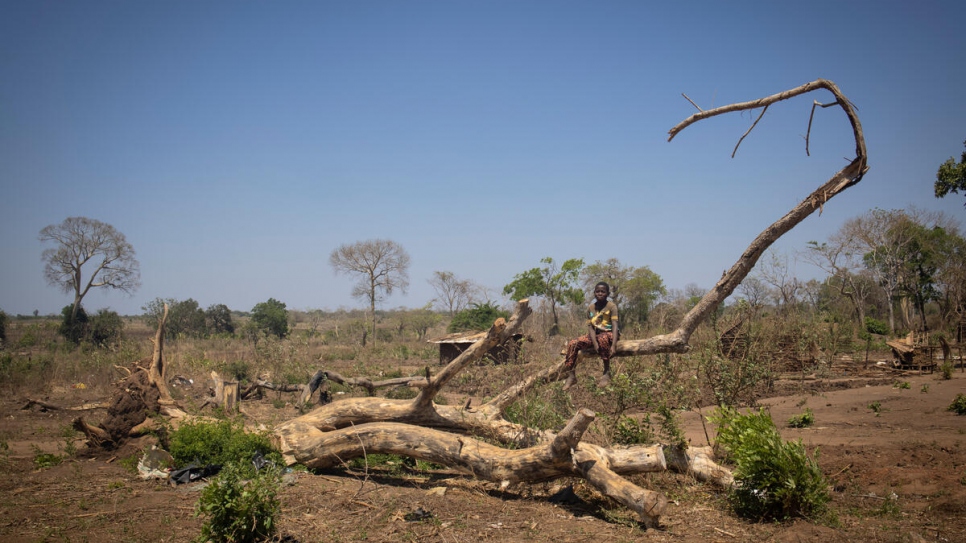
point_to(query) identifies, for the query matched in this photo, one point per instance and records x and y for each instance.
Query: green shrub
(73, 329)
(104, 328)
(803, 420)
(958, 405)
(630, 431)
(223, 442)
(238, 370)
(478, 317)
(238, 510)
(946, 368)
(271, 317)
(875, 326)
(774, 479)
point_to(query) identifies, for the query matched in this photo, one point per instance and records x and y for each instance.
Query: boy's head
(601, 291)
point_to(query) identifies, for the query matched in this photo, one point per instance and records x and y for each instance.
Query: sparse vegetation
(239, 507)
(959, 404)
(802, 420)
(222, 443)
(774, 479)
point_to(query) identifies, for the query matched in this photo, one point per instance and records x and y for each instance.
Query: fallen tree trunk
(354, 427)
(563, 456)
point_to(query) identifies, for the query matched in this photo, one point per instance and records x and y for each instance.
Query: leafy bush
(104, 328)
(958, 405)
(223, 443)
(803, 420)
(875, 326)
(478, 317)
(239, 510)
(774, 479)
(271, 317)
(630, 431)
(73, 329)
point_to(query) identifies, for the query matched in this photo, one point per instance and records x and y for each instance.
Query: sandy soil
(898, 475)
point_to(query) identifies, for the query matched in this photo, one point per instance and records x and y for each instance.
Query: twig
(719, 530)
(692, 102)
(810, 116)
(752, 127)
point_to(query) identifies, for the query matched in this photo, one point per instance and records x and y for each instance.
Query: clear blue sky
(236, 144)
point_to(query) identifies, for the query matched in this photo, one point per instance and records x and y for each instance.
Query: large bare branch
(677, 341)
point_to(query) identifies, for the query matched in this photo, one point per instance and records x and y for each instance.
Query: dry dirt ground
(898, 474)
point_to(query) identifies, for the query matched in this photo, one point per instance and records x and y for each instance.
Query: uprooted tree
(462, 437)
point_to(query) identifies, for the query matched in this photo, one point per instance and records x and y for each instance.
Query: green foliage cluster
(477, 317)
(239, 510)
(104, 329)
(774, 479)
(876, 326)
(959, 405)
(223, 442)
(187, 319)
(3, 328)
(559, 285)
(271, 317)
(802, 420)
(631, 431)
(951, 176)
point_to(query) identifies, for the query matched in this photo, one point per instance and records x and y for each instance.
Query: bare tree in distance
(452, 293)
(81, 241)
(381, 265)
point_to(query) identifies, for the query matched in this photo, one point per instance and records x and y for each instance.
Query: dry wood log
(371, 385)
(562, 456)
(332, 434)
(353, 427)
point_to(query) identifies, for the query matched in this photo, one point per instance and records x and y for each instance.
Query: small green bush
(630, 431)
(803, 420)
(238, 510)
(478, 317)
(875, 326)
(774, 479)
(223, 442)
(958, 405)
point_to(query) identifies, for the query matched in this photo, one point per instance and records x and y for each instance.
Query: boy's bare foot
(571, 380)
(604, 380)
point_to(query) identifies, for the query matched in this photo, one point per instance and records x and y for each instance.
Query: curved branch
(677, 341)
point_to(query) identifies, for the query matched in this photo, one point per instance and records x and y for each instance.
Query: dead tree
(417, 428)
(138, 396)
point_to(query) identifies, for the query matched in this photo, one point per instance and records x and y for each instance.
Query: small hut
(452, 345)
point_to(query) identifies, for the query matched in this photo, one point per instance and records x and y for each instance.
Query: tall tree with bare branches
(381, 265)
(81, 242)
